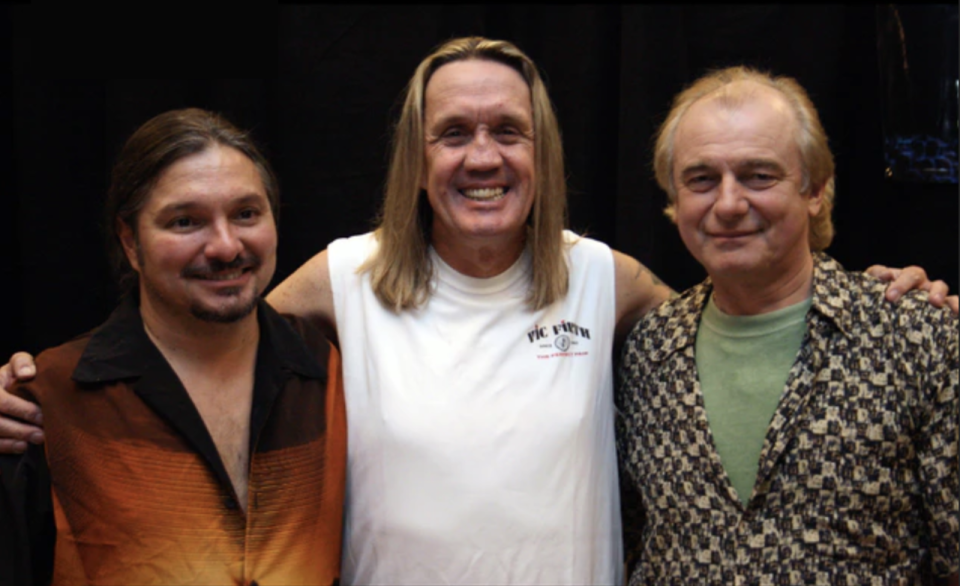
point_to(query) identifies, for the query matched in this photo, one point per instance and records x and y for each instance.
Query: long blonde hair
(401, 270)
(815, 155)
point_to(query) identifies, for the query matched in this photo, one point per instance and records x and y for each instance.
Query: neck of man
(758, 292)
(480, 258)
(216, 363)
(185, 340)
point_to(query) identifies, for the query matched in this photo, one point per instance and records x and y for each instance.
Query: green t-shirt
(743, 363)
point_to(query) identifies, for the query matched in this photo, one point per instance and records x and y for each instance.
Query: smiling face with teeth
(206, 241)
(479, 161)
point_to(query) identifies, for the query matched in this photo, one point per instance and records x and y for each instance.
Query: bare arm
(307, 294)
(638, 291)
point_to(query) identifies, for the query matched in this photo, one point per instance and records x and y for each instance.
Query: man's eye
(181, 222)
(454, 137)
(507, 134)
(760, 180)
(700, 182)
(248, 214)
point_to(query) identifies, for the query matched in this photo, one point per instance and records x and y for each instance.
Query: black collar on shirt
(120, 349)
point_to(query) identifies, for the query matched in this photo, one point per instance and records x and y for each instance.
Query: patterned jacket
(857, 479)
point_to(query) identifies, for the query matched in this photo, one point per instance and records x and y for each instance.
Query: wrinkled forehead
(476, 77)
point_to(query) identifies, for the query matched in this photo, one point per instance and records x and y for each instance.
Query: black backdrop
(324, 107)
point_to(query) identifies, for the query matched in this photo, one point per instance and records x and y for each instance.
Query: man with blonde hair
(477, 341)
(477, 337)
(780, 423)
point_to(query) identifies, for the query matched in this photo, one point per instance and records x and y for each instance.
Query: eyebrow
(508, 118)
(698, 167)
(749, 164)
(190, 205)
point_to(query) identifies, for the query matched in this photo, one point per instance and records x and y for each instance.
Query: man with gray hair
(477, 335)
(780, 423)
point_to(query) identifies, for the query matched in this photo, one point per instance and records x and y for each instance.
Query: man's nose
(224, 243)
(731, 201)
(483, 153)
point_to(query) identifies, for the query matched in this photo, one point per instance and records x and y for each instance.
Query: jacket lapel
(677, 342)
(825, 337)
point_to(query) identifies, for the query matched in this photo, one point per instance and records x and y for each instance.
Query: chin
(496, 229)
(728, 265)
(224, 315)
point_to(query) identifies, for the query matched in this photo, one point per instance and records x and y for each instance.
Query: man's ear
(129, 242)
(815, 199)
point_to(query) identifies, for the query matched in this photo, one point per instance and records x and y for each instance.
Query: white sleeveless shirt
(481, 444)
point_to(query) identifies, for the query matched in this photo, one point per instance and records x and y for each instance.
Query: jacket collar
(120, 349)
(681, 317)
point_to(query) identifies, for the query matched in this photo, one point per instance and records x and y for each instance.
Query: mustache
(214, 266)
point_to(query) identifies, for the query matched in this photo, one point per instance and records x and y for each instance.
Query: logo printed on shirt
(565, 339)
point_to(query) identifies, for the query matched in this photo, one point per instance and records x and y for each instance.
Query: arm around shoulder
(307, 293)
(638, 291)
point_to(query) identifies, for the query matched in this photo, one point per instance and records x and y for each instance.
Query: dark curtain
(324, 109)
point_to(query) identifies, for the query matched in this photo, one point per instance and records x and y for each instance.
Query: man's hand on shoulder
(19, 419)
(914, 277)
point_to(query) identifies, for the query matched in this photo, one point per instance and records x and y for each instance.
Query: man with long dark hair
(196, 436)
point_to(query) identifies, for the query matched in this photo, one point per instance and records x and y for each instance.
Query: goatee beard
(225, 316)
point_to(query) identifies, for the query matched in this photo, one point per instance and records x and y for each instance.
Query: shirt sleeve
(936, 444)
(631, 503)
(27, 528)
